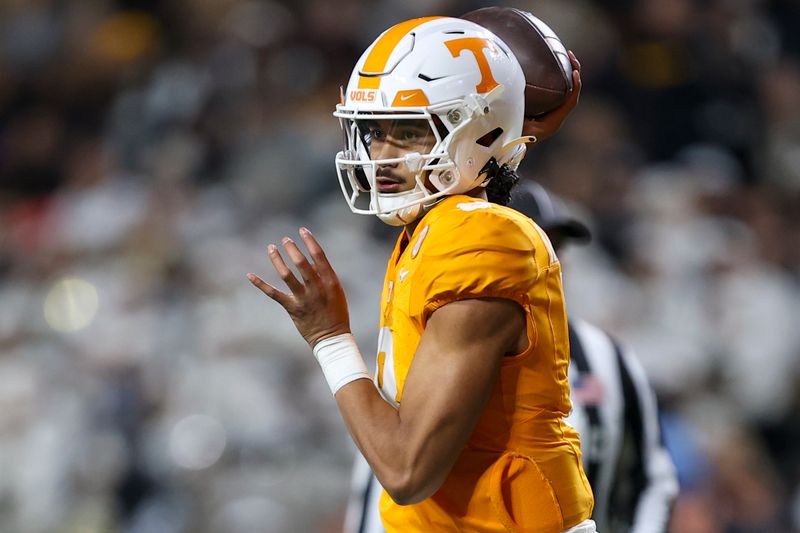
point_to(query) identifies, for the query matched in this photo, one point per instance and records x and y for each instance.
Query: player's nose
(387, 171)
(384, 150)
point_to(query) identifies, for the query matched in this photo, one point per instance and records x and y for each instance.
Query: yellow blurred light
(125, 37)
(71, 305)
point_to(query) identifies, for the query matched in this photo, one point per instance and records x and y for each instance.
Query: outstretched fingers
(315, 300)
(318, 277)
(283, 271)
(280, 297)
(303, 266)
(323, 266)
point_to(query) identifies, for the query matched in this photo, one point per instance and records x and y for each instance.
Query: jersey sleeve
(482, 253)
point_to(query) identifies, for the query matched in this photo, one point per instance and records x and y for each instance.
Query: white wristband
(340, 360)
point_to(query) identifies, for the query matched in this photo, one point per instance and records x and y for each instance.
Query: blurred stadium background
(150, 150)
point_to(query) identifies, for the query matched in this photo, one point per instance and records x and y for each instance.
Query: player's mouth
(390, 186)
(389, 182)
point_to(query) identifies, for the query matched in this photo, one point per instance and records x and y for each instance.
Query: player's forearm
(407, 454)
(403, 460)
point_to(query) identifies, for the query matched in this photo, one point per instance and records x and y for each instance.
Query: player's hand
(548, 124)
(317, 305)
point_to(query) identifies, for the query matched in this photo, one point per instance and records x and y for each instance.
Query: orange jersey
(521, 468)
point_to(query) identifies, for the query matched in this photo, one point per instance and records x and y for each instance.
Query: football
(542, 56)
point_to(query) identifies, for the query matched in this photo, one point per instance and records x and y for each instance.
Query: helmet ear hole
(487, 140)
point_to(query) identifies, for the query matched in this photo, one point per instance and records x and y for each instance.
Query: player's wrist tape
(340, 360)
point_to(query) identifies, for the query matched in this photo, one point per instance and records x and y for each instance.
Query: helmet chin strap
(394, 215)
(402, 217)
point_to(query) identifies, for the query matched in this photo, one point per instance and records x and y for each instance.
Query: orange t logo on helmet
(476, 45)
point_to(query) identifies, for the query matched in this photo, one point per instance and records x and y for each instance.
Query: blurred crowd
(150, 150)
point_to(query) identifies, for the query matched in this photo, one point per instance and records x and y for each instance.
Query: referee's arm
(654, 505)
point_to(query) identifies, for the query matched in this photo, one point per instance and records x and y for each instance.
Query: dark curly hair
(503, 178)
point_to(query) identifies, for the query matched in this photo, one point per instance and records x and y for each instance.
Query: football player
(614, 410)
(464, 423)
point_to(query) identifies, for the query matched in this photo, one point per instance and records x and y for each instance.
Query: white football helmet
(454, 77)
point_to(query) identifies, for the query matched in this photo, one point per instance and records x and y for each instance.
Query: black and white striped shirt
(614, 410)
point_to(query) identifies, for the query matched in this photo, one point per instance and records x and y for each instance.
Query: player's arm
(411, 450)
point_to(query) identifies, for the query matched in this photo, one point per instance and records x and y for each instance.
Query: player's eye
(409, 134)
(371, 131)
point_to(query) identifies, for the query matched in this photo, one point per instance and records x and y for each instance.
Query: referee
(614, 410)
